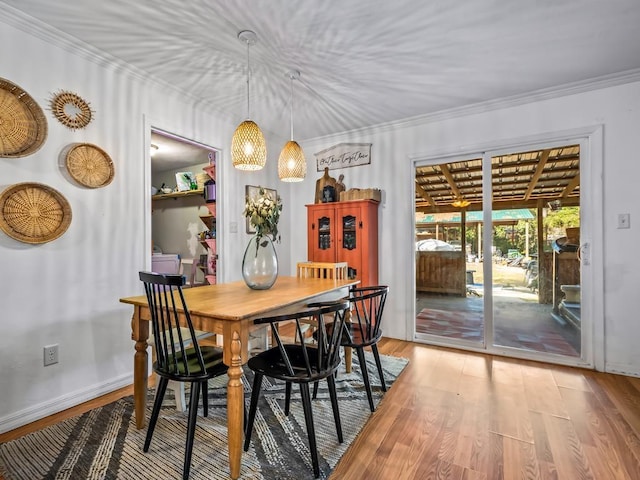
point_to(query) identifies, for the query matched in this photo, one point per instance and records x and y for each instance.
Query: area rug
(104, 443)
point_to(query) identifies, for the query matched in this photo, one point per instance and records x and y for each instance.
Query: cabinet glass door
(324, 233)
(349, 240)
(349, 232)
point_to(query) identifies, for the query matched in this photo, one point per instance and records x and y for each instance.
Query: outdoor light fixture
(461, 203)
(292, 166)
(555, 205)
(248, 148)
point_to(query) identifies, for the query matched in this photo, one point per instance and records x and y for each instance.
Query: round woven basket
(34, 213)
(89, 165)
(23, 126)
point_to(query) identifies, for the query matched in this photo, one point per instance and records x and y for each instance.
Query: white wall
(616, 108)
(66, 292)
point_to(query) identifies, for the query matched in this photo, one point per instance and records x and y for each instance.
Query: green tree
(557, 221)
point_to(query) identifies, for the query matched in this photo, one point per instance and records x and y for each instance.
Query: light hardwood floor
(460, 415)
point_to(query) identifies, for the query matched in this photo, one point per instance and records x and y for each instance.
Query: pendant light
(292, 166)
(248, 148)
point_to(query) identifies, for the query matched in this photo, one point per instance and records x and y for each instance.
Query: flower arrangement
(263, 212)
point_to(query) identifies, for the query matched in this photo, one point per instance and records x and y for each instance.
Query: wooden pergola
(529, 180)
(522, 180)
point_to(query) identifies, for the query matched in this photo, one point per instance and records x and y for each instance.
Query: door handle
(584, 254)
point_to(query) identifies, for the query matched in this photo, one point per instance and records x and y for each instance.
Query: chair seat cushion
(270, 363)
(212, 357)
(186, 335)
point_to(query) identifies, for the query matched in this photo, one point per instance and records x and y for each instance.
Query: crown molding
(565, 90)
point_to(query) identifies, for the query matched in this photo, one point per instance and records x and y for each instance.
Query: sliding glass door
(449, 298)
(496, 243)
(535, 268)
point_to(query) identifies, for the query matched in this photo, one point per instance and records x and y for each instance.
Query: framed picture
(252, 191)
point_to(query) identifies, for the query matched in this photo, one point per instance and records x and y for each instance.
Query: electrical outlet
(50, 354)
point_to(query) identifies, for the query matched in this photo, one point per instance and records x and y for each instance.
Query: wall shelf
(209, 244)
(208, 220)
(174, 195)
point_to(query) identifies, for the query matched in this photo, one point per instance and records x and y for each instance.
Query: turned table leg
(140, 334)
(235, 406)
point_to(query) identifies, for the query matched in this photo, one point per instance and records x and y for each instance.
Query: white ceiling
(175, 153)
(363, 62)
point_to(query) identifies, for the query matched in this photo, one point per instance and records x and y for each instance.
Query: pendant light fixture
(292, 166)
(248, 148)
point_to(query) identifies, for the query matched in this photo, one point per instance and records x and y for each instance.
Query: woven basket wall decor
(89, 165)
(34, 213)
(23, 126)
(71, 109)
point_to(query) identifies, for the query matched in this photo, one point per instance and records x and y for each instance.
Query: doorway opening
(183, 219)
(497, 246)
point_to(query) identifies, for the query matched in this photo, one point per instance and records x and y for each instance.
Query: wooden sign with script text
(344, 155)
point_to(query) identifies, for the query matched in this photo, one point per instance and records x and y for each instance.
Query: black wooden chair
(177, 358)
(302, 363)
(367, 305)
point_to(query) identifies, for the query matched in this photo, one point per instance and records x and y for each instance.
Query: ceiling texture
(362, 62)
(169, 152)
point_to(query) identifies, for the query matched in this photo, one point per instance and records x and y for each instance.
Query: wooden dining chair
(337, 271)
(177, 358)
(301, 363)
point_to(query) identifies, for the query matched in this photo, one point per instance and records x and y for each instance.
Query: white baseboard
(55, 405)
(622, 369)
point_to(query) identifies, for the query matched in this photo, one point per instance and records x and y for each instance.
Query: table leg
(235, 407)
(347, 359)
(347, 350)
(140, 334)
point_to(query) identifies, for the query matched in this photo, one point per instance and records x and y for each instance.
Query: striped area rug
(104, 443)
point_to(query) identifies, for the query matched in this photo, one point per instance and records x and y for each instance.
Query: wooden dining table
(228, 309)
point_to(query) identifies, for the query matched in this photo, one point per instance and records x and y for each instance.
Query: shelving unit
(210, 269)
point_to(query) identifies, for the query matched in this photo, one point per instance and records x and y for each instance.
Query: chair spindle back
(167, 305)
(367, 306)
(302, 359)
